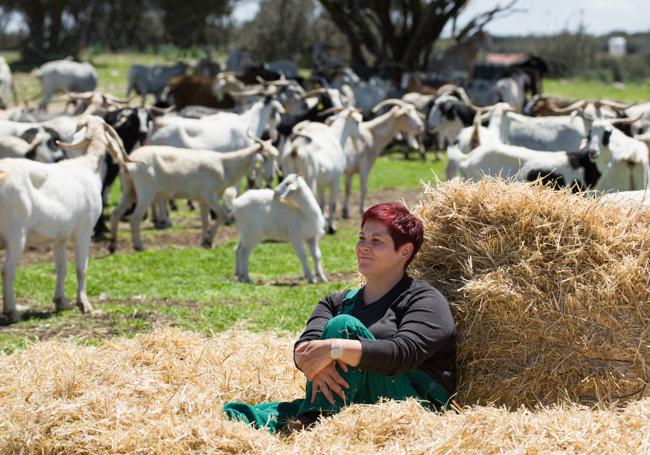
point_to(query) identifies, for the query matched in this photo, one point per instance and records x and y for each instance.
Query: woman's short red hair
(403, 226)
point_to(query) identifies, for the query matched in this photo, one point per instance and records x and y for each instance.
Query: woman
(394, 337)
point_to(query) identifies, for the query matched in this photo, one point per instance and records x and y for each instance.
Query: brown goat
(196, 91)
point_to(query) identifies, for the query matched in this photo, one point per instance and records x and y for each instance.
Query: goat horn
(580, 104)
(255, 138)
(316, 91)
(159, 110)
(616, 104)
(118, 100)
(481, 109)
(332, 110)
(246, 93)
(390, 101)
(303, 135)
(626, 120)
(74, 146)
(282, 82)
(446, 89)
(449, 89)
(463, 95)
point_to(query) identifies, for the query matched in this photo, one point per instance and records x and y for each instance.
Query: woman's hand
(313, 356)
(329, 380)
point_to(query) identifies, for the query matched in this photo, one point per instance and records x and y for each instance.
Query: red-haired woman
(394, 337)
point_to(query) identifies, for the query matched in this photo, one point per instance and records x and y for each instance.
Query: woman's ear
(406, 251)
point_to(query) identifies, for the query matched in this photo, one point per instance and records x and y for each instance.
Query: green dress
(365, 387)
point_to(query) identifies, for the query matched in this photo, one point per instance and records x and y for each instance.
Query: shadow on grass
(29, 315)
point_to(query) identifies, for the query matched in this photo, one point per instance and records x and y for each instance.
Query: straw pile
(550, 291)
(163, 393)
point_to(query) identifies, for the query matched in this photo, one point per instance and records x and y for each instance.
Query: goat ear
(116, 145)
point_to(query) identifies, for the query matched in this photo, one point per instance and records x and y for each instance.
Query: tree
(186, 21)
(56, 27)
(282, 29)
(399, 33)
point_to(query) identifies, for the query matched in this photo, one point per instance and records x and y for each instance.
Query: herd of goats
(208, 133)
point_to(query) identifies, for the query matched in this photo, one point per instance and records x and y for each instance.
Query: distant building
(617, 46)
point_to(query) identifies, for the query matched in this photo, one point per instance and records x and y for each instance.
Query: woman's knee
(343, 326)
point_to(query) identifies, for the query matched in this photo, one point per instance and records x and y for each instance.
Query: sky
(542, 17)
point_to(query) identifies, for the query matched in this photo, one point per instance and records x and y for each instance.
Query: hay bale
(550, 291)
(163, 393)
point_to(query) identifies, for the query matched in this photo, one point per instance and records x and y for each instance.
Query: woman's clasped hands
(313, 358)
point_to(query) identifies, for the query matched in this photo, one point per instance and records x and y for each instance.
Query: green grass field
(587, 89)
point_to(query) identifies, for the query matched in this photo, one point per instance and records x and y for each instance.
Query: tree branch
(478, 22)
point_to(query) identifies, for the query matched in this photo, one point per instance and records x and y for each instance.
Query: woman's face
(376, 255)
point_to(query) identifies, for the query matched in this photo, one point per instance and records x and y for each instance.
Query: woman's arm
(425, 327)
(323, 312)
(311, 357)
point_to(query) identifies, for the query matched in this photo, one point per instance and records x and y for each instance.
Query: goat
(51, 203)
(377, 134)
(449, 114)
(196, 90)
(162, 172)
(29, 132)
(288, 213)
(629, 167)
(132, 126)
(578, 170)
(65, 75)
(223, 131)
(317, 153)
(152, 79)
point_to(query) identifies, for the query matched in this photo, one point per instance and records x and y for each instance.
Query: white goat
(289, 213)
(629, 167)
(377, 134)
(65, 75)
(51, 203)
(318, 154)
(224, 131)
(162, 172)
(579, 170)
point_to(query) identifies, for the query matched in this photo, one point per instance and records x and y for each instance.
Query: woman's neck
(377, 287)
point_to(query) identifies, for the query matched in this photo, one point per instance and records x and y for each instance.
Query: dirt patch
(300, 281)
